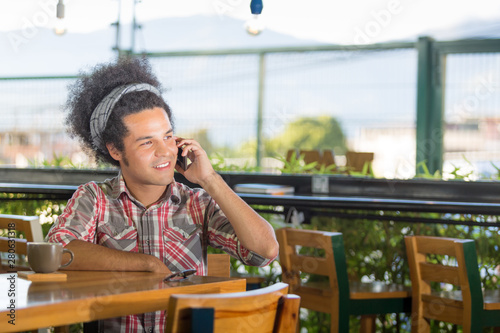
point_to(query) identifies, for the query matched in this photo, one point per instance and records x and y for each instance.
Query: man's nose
(163, 149)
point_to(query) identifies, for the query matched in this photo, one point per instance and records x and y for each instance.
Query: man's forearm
(88, 256)
(253, 231)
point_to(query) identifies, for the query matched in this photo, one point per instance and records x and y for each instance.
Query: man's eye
(146, 143)
(168, 137)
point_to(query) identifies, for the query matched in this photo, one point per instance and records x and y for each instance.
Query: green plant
(58, 161)
(458, 174)
(296, 164)
(497, 176)
(366, 171)
(327, 169)
(219, 163)
(425, 171)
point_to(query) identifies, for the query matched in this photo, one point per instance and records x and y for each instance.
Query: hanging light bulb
(255, 25)
(60, 26)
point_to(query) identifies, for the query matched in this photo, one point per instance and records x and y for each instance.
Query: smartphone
(181, 160)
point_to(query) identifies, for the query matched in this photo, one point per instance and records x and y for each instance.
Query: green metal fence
(428, 101)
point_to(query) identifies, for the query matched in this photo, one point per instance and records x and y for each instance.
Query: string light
(60, 26)
(255, 25)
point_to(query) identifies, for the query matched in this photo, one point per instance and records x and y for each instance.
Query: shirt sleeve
(77, 221)
(222, 235)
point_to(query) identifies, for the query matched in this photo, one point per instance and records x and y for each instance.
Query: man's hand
(200, 170)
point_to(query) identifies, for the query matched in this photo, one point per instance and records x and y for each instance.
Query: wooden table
(91, 295)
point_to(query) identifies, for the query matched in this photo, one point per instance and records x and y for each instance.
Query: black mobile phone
(181, 160)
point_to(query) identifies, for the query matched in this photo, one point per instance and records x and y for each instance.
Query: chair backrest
(459, 268)
(218, 265)
(268, 309)
(18, 231)
(327, 259)
(325, 158)
(356, 161)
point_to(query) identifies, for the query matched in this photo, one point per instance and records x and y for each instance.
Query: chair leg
(61, 329)
(420, 325)
(368, 324)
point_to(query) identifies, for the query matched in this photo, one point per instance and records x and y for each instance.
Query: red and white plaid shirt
(169, 229)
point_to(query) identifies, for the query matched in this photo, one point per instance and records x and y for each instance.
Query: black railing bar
(412, 219)
(396, 219)
(269, 211)
(378, 204)
(322, 200)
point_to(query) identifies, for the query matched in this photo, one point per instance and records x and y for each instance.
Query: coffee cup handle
(70, 260)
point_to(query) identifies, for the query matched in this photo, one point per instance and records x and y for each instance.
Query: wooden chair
(218, 265)
(470, 306)
(263, 310)
(355, 161)
(13, 243)
(325, 158)
(17, 226)
(336, 295)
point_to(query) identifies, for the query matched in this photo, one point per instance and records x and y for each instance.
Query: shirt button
(147, 241)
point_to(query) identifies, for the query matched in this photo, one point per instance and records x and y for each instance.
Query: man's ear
(114, 152)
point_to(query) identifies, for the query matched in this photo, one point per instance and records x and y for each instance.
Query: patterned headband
(102, 111)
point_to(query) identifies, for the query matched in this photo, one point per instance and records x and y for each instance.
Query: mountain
(209, 33)
(470, 29)
(39, 51)
(45, 54)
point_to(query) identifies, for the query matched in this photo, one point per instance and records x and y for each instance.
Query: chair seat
(321, 288)
(313, 296)
(491, 298)
(358, 290)
(377, 290)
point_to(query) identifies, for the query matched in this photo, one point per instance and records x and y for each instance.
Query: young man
(142, 220)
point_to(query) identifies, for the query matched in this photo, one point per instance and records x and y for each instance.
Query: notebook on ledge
(272, 189)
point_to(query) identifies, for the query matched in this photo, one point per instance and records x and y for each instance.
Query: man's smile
(163, 165)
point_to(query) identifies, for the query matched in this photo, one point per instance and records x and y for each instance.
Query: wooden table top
(91, 295)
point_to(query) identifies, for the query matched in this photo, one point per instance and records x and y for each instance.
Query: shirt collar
(119, 187)
(172, 192)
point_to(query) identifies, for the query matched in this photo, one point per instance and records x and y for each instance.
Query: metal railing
(240, 100)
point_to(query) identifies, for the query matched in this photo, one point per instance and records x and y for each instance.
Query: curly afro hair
(89, 90)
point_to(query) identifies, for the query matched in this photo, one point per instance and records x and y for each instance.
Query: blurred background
(320, 74)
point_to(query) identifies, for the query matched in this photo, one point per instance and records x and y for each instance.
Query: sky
(326, 21)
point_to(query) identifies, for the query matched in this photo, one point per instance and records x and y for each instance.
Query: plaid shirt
(107, 214)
